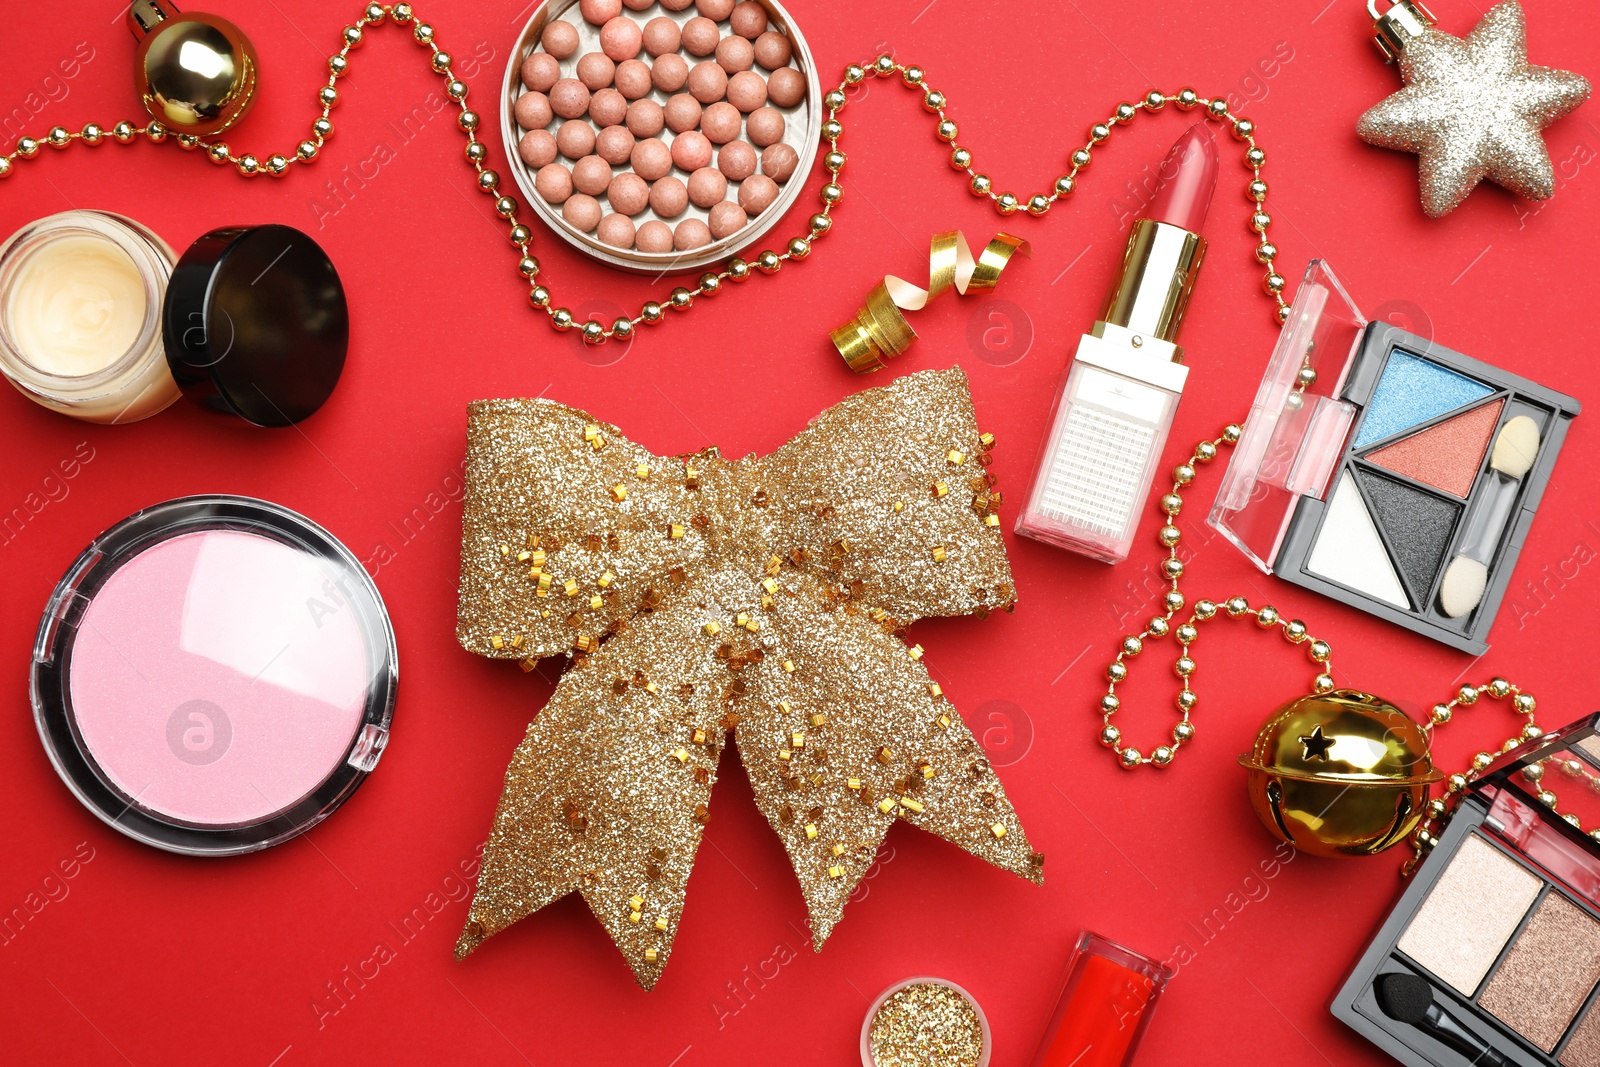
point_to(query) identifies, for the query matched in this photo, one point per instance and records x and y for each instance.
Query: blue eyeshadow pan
(1412, 391)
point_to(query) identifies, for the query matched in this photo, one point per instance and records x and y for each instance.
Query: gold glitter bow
(879, 332)
(700, 595)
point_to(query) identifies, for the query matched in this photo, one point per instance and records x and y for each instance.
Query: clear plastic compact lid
(214, 675)
(1297, 424)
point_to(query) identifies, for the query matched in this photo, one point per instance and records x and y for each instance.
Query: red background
(156, 958)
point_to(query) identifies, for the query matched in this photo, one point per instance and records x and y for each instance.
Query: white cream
(76, 306)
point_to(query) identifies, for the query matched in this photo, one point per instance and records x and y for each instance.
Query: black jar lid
(255, 324)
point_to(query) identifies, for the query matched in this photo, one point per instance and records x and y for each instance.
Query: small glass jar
(128, 385)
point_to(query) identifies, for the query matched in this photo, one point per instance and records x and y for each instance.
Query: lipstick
(1121, 391)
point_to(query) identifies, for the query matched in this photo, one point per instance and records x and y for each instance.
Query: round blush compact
(214, 675)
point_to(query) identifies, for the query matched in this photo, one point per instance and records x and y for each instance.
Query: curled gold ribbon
(879, 331)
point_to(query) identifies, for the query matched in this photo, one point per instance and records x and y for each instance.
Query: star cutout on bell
(1472, 108)
(1316, 745)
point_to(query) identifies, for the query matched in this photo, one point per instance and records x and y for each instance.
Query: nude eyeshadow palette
(1492, 955)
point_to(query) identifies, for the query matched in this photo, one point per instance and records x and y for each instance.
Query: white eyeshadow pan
(1470, 914)
(1349, 550)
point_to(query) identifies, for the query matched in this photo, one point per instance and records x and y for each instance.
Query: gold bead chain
(735, 268)
(1267, 617)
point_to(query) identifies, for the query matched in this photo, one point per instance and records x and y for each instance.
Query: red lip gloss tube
(1120, 395)
(1105, 1006)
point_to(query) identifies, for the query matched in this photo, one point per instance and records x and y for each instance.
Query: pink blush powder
(219, 677)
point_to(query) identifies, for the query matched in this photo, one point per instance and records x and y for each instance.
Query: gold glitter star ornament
(698, 599)
(1472, 108)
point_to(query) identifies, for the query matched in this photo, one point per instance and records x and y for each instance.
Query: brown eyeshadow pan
(1547, 973)
(1584, 1048)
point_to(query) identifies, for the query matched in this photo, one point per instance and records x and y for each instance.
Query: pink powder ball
(575, 138)
(540, 71)
(581, 211)
(591, 175)
(596, 70)
(691, 151)
(773, 50)
(727, 218)
(628, 194)
(617, 231)
(633, 79)
(608, 108)
(532, 111)
(560, 39)
(748, 20)
(720, 122)
(691, 234)
(655, 235)
(677, 5)
(736, 160)
(651, 159)
(645, 118)
(708, 82)
(668, 197)
(735, 54)
(765, 126)
(682, 112)
(537, 148)
(569, 97)
(621, 38)
(707, 187)
(700, 36)
(639, 5)
(715, 10)
(756, 193)
(553, 182)
(661, 35)
(786, 87)
(599, 12)
(670, 73)
(614, 144)
(747, 90)
(779, 162)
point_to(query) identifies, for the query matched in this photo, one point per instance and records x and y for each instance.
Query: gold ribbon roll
(879, 331)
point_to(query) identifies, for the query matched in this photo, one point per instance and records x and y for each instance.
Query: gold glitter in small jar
(925, 1022)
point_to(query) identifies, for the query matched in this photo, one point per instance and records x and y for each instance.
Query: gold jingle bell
(1340, 774)
(196, 74)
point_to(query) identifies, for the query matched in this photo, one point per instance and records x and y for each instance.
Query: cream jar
(80, 316)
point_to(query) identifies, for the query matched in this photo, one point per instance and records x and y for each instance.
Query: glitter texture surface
(926, 1025)
(1470, 914)
(1412, 391)
(1446, 456)
(699, 595)
(1548, 973)
(1584, 1048)
(1419, 526)
(1473, 108)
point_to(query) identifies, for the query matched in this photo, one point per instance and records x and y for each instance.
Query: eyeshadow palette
(1492, 955)
(1389, 472)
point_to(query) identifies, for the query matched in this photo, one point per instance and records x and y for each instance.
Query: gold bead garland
(734, 269)
(1295, 632)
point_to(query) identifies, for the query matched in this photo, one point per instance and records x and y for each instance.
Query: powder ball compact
(925, 1022)
(1492, 955)
(1389, 472)
(100, 320)
(214, 675)
(661, 137)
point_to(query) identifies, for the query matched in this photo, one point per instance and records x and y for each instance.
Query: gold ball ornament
(194, 72)
(1340, 774)
(1472, 108)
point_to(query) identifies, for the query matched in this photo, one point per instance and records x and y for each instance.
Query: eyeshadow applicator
(1408, 998)
(1467, 577)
